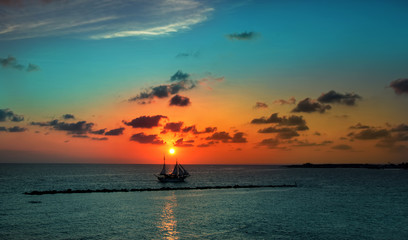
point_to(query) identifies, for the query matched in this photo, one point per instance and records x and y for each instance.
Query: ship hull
(170, 178)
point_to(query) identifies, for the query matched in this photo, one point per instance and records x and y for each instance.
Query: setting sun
(172, 151)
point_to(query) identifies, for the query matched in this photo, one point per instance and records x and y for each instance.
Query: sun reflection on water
(168, 223)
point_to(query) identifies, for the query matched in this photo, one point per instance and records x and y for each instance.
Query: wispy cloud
(100, 19)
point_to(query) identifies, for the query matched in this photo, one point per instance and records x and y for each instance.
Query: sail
(184, 170)
(176, 170)
(164, 170)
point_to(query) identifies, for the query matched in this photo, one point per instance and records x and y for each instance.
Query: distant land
(354, 165)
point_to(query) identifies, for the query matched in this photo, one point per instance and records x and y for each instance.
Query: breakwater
(70, 191)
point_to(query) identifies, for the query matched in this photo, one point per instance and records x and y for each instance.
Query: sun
(172, 151)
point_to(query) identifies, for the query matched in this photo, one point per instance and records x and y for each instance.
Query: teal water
(328, 204)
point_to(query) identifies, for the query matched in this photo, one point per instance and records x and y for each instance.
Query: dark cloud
(98, 132)
(291, 100)
(81, 127)
(191, 129)
(173, 127)
(282, 133)
(400, 128)
(145, 121)
(209, 130)
(179, 76)
(220, 136)
(115, 132)
(359, 126)
(400, 86)
(180, 101)
(194, 130)
(239, 138)
(334, 97)
(17, 129)
(11, 62)
(292, 120)
(242, 36)
(181, 143)
(32, 68)
(3, 129)
(146, 139)
(80, 136)
(8, 115)
(302, 128)
(270, 142)
(342, 147)
(297, 143)
(260, 105)
(68, 116)
(181, 82)
(308, 105)
(225, 137)
(100, 139)
(371, 133)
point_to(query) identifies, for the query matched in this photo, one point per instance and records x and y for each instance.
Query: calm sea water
(328, 204)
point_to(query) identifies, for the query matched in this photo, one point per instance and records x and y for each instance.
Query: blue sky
(86, 55)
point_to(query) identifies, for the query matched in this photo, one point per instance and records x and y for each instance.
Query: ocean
(327, 204)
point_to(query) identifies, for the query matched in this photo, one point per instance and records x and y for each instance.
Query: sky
(221, 82)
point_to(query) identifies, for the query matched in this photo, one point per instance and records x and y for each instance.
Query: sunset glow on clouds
(251, 82)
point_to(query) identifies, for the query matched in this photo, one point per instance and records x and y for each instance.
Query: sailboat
(178, 174)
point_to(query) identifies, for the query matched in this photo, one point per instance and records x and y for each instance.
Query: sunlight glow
(172, 151)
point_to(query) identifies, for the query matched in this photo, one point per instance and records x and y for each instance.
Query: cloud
(100, 139)
(348, 99)
(297, 143)
(359, 126)
(342, 147)
(8, 115)
(179, 76)
(32, 68)
(80, 136)
(308, 105)
(400, 128)
(371, 133)
(16, 129)
(146, 139)
(291, 100)
(3, 129)
(180, 83)
(115, 132)
(11, 62)
(194, 130)
(270, 143)
(260, 105)
(292, 120)
(180, 101)
(225, 137)
(239, 138)
(81, 127)
(400, 86)
(220, 136)
(173, 127)
(242, 36)
(181, 143)
(145, 121)
(98, 132)
(68, 116)
(101, 19)
(283, 133)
